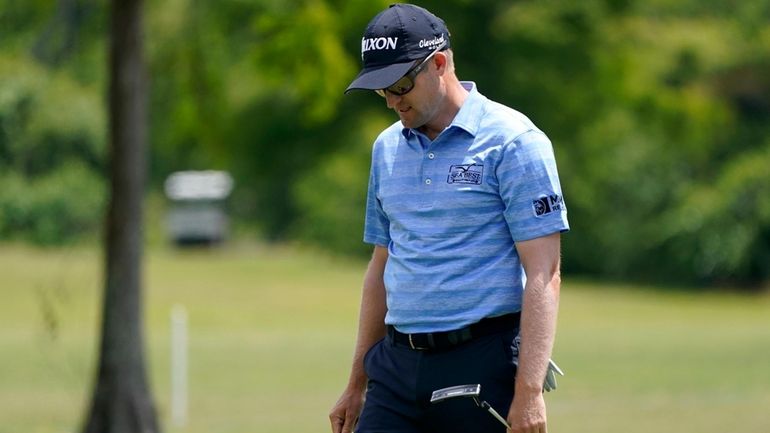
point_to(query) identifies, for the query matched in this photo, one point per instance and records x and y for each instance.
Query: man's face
(419, 106)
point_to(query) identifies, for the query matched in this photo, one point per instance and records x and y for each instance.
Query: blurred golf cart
(196, 215)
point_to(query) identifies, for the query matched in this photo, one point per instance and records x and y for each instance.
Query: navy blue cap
(393, 40)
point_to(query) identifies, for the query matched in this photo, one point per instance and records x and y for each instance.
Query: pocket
(368, 355)
(510, 351)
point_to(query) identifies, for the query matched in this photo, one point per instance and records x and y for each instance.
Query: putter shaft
(494, 413)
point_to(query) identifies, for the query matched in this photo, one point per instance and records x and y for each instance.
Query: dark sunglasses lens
(402, 86)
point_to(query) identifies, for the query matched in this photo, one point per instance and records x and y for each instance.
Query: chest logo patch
(469, 174)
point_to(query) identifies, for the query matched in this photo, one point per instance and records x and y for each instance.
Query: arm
(540, 258)
(371, 328)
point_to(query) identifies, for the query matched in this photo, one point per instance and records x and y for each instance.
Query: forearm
(371, 321)
(541, 259)
(538, 329)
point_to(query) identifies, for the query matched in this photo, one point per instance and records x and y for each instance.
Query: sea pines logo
(469, 174)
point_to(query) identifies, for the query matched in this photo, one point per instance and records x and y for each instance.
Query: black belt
(448, 339)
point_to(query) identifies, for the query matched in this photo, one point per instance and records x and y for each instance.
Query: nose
(392, 99)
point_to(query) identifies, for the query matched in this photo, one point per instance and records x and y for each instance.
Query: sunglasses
(405, 84)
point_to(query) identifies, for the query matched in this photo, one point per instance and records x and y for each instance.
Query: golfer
(465, 212)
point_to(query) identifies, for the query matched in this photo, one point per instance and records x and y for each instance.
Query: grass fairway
(271, 334)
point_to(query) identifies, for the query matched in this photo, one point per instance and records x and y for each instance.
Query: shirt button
(431, 155)
(427, 181)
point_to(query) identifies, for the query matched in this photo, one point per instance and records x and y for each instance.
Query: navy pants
(401, 381)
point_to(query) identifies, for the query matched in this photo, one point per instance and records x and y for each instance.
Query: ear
(441, 61)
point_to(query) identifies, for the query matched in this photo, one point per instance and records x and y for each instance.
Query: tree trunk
(121, 400)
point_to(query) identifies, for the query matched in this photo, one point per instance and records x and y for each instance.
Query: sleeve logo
(467, 173)
(548, 204)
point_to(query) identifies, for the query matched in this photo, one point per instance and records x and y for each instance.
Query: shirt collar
(469, 116)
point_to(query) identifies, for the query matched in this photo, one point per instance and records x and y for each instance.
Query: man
(465, 213)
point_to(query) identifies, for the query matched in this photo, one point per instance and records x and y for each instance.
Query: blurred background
(659, 112)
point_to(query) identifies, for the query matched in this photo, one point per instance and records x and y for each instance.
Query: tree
(121, 401)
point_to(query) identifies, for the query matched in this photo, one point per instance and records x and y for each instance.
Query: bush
(331, 198)
(47, 119)
(722, 229)
(52, 210)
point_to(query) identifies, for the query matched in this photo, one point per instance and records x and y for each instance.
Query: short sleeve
(530, 188)
(377, 225)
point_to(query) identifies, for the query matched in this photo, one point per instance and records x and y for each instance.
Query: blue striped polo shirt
(450, 212)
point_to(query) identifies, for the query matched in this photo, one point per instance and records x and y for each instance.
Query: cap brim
(379, 77)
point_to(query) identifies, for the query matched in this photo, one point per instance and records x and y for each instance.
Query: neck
(452, 101)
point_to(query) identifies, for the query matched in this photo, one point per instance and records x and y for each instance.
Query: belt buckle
(411, 343)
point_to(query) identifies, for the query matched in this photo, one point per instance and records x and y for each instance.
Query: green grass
(272, 329)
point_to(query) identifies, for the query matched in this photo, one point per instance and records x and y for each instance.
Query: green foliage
(659, 112)
(644, 107)
(46, 119)
(51, 154)
(22, 20)
(331, 198)
(303, 57)
(54, 209)
(721, 230)
(187, 61)
(252, 87)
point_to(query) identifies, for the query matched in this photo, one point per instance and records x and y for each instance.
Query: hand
(344, 414)
(527, 414)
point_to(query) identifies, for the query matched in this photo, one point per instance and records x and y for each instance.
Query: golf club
(471, 391)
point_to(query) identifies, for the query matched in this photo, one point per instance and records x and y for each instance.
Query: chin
(411, 123)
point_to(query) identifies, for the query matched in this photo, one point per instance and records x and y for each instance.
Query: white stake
(178, 365)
